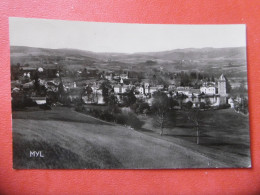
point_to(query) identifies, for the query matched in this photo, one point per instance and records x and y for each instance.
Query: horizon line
(129, 52)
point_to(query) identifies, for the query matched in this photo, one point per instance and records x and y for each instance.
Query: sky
(121, 37)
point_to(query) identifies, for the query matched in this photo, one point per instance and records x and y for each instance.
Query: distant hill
(231, 60)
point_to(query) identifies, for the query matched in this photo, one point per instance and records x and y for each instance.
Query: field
(69, 139)
(224, 135)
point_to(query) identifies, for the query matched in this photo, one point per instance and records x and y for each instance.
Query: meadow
(72, 140)
(224, 134)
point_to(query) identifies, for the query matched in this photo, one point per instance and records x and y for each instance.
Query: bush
(17, 105)
(188, 105)
(96, 113)
(121, 119)
(202, 105)
(45, 107)
(79, 108)
(107, 116)
(133, 121)
(28, 102)
(129, 119)
(141, 108)
(224, 106)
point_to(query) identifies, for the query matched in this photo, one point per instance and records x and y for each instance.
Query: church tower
(222, 89)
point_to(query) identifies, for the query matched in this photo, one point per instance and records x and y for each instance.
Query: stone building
(222, 88)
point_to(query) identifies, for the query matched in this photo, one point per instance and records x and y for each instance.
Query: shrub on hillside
(133, 121)
(188, 105)
(28, 102)
(202, 105)
(128, 118)
(107, 116)
(224, 106)
(140, 107)
(45, 107)
(121, 119)
(79, 108)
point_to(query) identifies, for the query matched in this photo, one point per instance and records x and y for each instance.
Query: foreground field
(72, 140)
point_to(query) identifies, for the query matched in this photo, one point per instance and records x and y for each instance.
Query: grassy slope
(72, 140)
(224, 135)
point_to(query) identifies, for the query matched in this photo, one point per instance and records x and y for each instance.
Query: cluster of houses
(121, 83)
(208, 88)
(215, 90)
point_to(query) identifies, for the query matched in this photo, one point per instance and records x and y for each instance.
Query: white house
(146, 85)
(208, 88)
(184, 90)
(28, 85)
(124, 88)
(153, 89)
(140, 90)
(15, 89)
(195, 92)
(117, 89)
(160, 87)
(231, 103)
(116, 77)
(171, 87)
(123, 76)
(109, 77)
(39, 100)
(146, 88)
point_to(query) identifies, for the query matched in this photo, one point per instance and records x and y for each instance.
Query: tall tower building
(222, 89)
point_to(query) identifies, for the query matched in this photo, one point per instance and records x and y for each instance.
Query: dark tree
(129, 98)
(36, 82)
(207, 102)
(160, 106)
(106, 89)
(140, 107)
(185, 79)
(202, 105)
(188, 105)
(193, 75)
(228, 86)
(212, 78)
(112, 102)
(200, 76)
(15, 72)
(194, 115)
(173, 102)
(242, 88)
(52, 97)
(89, 93)
(61, 91)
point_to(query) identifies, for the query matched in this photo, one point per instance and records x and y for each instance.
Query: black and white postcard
(89, 95)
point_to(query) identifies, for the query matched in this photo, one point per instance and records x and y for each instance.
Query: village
(52, 85)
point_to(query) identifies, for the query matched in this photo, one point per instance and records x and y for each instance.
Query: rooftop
(222, 77)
